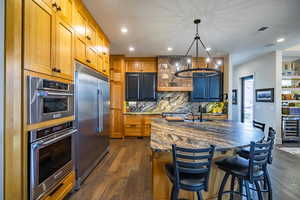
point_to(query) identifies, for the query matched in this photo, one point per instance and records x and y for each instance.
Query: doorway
(247, 99)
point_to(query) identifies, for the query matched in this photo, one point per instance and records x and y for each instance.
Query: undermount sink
(198, 120)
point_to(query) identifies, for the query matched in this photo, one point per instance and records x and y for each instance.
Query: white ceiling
(228, 26)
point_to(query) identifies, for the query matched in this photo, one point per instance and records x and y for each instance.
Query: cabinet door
(64, 49)
(116, 123)
(116, 95)
(79, 25)
(148, 87)
(90, 35)
(132, 86)
(215, 88)
(80, 49)
(133, 66)
(38, 37)
(64, 10)
(91, 58)
(148, 66)
(200, 89)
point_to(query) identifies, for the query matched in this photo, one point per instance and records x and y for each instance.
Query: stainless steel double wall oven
(50, 148)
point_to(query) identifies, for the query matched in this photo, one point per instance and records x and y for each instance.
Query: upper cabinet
(140, 86)
(63, 50)
(56, 32)
(39, 36)
(64, 9)
(167, 67)
(207, 88)
(141, 65)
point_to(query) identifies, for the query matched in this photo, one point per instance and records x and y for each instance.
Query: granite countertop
(142, 113)
(224, 135)
(159, 113)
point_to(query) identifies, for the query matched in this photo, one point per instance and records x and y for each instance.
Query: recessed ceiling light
(131, 49)
(177, 64)
(280, 40)
(124, 30)
(208, 49)
(207, 59)
(170, 49)
(188, 60)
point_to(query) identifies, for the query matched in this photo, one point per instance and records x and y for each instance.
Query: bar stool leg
(174, 194)
(247, 190)
(270, 192)
(199, 195)
(258, 190)
(223, 186)
(241, 185)
(232, 186)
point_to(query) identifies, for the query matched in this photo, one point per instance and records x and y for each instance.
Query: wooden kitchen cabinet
(90, 35)
(141, 65)
(138, 125)
(79, 25)
(133, 125)
(64, 10)
(117, 96)
(91, 57)
(48, 44)
(64, 50)
(39, 36)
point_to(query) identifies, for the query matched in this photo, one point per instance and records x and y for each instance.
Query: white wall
(266, 70)
(1, 93)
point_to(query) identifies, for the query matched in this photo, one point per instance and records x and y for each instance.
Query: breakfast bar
(227, 136)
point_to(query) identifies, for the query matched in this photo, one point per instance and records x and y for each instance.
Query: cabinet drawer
(62, 189)
(134, 119)
(132, 130)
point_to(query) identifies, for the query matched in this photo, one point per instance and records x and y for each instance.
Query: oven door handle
(43, 144)
(58, 94)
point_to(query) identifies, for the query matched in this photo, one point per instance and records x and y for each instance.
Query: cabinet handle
(54, 70)
(88, 61)
(58, 8)
(88, 37)
(132, 125)
(58, 70)
(54, 5)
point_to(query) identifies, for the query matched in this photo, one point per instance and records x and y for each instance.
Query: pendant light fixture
(197, 71)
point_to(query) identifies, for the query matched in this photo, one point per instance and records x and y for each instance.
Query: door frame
(242, 95)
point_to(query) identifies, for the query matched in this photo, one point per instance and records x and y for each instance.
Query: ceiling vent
(269, 45)
(263, 28)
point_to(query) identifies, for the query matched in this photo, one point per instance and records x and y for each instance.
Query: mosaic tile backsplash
(168, 102)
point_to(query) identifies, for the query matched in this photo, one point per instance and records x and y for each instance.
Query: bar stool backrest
(192, 161)
(271, 137)
(259, 125)
(258, 157)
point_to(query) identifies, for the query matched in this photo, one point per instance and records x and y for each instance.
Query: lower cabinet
(138, 125)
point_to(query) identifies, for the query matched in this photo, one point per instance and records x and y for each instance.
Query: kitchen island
(227, 136)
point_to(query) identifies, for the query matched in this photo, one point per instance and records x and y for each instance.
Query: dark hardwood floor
(125, 174)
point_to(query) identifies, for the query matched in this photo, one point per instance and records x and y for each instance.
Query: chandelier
(198, 72)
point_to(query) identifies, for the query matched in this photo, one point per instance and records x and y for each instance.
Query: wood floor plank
(125, 174)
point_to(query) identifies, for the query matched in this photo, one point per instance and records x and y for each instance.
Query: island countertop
(223, 134)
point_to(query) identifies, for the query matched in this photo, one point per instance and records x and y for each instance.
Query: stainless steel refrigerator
(92, 120)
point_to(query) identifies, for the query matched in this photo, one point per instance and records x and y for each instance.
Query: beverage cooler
(290, 129)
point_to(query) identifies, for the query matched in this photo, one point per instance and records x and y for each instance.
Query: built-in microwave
(49, 99)
(50, 157)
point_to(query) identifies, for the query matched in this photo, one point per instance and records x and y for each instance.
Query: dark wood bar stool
(259, 125)
(190, 170)
(246, 171)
